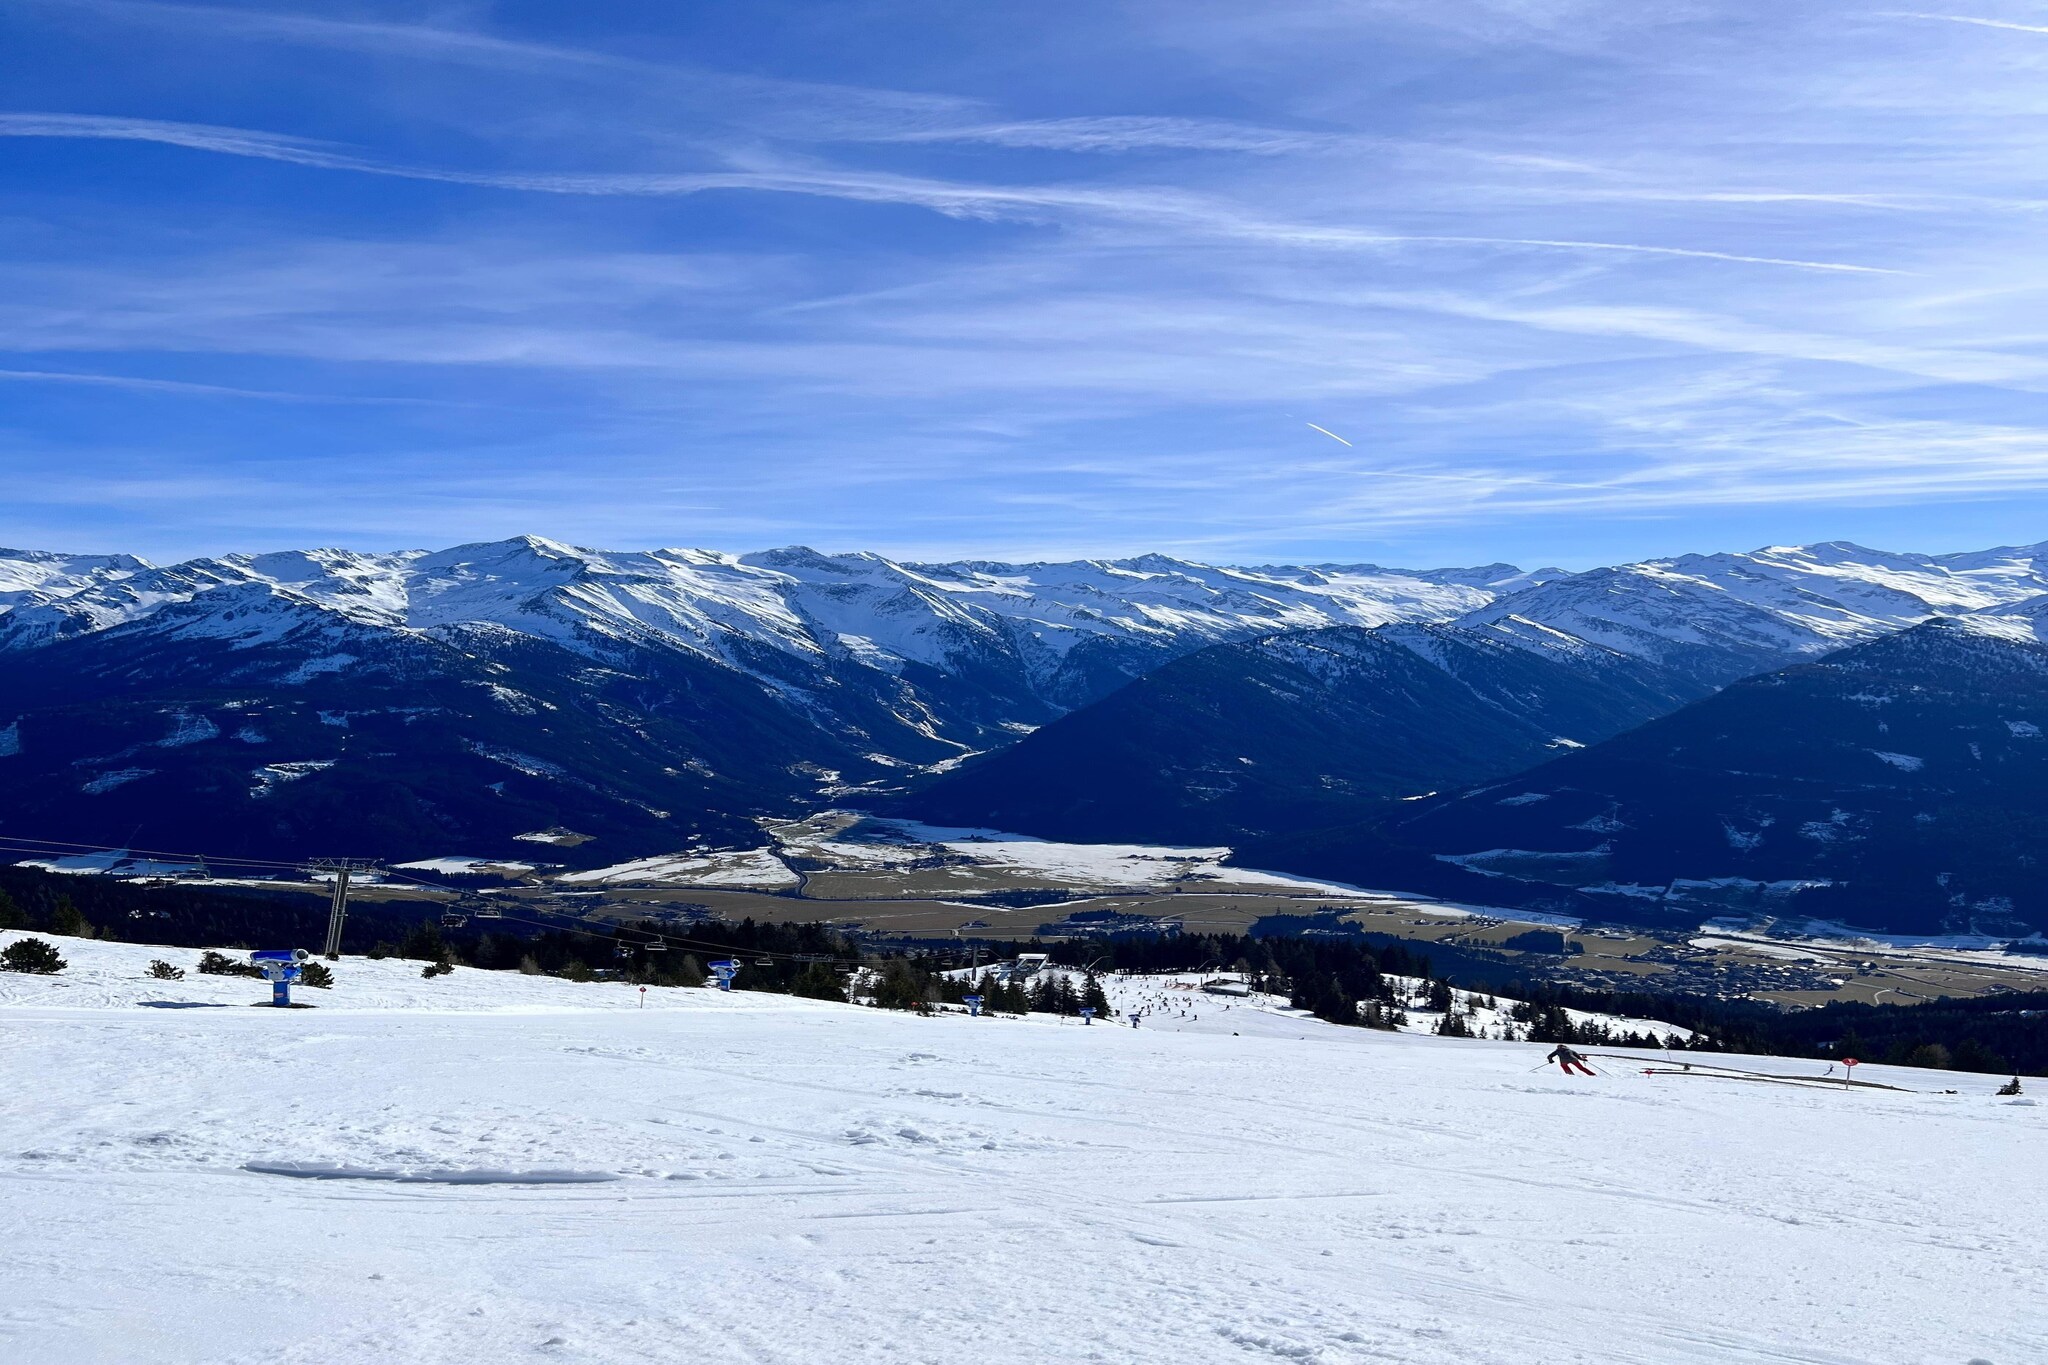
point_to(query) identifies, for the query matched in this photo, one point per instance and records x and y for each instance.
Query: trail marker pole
(643, 997)
(1849, 1065)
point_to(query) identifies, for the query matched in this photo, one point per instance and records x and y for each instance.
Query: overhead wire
(10, 843)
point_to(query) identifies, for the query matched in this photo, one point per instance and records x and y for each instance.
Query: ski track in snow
(762, 1179)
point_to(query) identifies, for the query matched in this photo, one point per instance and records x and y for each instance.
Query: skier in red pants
(1570, 1062)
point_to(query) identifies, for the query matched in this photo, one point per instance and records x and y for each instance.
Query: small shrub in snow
(316, 974)
(31, 955)
(219, 964)
(434, 969)
(164, 971)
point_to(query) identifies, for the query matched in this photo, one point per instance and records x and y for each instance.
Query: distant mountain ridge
(1300, 729)
(1899, 784)
(650, 697)
(417, 702)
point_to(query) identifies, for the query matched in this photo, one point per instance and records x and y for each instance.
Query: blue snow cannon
(280, 968)
(973, 1003)
(1087, 1014)
(725, 969)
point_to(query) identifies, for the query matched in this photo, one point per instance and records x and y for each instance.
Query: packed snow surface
(488, 1168)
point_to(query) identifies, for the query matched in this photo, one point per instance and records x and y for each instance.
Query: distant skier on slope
(1568, 1061)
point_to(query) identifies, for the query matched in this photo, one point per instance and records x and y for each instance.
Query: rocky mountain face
(1302, 729)
(1898, 785)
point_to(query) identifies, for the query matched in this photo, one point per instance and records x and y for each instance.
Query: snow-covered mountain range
(895, 616)
(413, 701)
(728, 607)
(1725, 616)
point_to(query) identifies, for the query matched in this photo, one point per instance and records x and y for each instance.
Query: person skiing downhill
(1568, 1061)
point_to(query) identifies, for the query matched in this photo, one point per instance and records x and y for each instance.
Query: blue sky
(1566, 281)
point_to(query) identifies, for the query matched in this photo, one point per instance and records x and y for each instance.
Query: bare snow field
(490, 1168)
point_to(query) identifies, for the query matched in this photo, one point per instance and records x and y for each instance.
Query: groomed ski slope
(535, 1170)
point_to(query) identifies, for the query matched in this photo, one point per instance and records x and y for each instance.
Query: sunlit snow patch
(752, 868)
(264, 780)
(467, 867)
(119, 777)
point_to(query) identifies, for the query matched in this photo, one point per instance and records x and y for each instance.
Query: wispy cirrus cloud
(944, 282)
(1128, 133)
(1159, 206)
(794, 105)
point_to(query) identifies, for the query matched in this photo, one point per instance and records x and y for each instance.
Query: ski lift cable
(68, 848)
(763, 957)
(656, 940)
(15, 843)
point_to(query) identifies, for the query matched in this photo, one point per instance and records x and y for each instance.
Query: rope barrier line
(1717, 1071)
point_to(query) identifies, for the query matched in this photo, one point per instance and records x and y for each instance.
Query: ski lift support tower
(337, 910)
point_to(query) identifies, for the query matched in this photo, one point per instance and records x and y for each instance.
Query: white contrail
(1329, 433)
(1970, 19)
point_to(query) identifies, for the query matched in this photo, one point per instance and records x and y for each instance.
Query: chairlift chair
(656, 947)
(453, 919)
(764, 962)
(490, 912)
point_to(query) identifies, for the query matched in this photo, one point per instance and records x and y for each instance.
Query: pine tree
(11, 915)
(1093, 997)
(423, 943)
(818, 982)
(67, 919)
(1043, 1000)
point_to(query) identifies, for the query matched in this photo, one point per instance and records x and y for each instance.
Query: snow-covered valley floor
(529, 1169)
